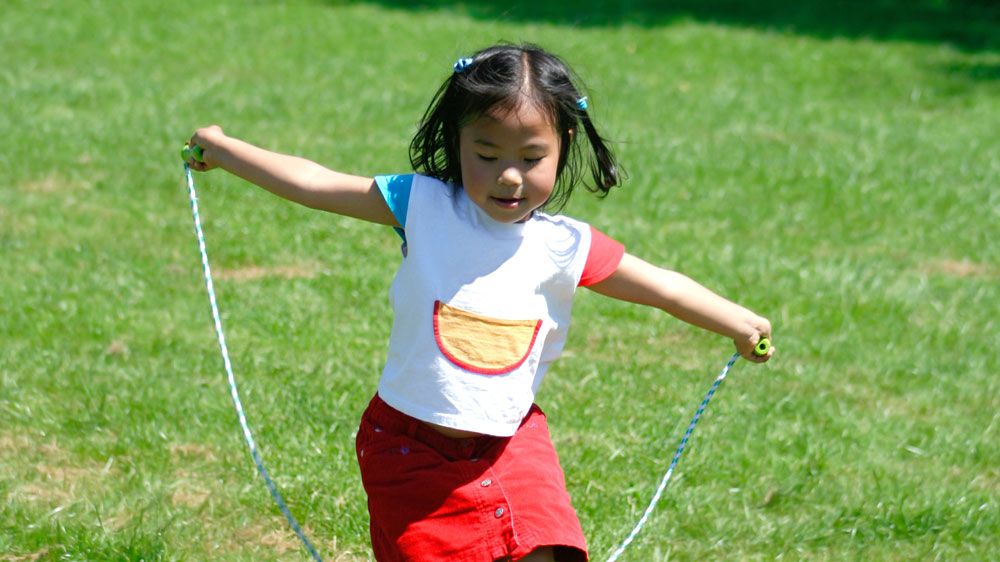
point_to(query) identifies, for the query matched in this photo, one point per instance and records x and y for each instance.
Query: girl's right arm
(296, 179)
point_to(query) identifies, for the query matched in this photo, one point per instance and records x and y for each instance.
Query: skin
(508, 168)
(508, 162)
(299, 180)
(543, 554)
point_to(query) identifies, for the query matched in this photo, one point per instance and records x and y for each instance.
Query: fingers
(761, 358)
(194, 151)
(756, 350)
(762, 346)
(192, 156)
(198, 166)
(761, 349)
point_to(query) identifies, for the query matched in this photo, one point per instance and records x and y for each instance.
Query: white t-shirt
(481, 308)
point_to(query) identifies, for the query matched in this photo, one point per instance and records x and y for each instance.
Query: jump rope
(189, 153)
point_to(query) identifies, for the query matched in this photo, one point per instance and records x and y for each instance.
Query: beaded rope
(247, 435)
(673, 463)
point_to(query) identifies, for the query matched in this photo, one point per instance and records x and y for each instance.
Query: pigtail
(434, 149)
(604, 165)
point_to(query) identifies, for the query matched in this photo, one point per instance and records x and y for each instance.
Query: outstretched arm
(640, 282)
(296, 179)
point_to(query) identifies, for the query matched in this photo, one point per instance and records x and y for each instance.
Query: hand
(208, 138)
(761, 328)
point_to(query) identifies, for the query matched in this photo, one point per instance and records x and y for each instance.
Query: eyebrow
(532, 146)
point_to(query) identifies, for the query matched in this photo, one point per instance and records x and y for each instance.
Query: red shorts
(434, 498)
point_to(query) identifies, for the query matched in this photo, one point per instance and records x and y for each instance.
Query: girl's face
(509, 162)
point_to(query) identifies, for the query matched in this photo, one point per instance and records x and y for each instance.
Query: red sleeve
(605, 255)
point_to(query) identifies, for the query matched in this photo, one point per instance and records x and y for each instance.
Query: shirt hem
(452, 422)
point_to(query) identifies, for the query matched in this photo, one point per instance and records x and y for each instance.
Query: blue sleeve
(396, 192)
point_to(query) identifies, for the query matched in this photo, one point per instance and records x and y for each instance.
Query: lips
(505, 202)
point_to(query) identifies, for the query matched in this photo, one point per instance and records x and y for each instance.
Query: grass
(840, 179)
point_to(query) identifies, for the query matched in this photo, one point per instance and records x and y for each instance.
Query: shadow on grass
(976, 71)
(970, 25)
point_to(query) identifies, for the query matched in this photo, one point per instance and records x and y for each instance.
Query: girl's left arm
(643, 283)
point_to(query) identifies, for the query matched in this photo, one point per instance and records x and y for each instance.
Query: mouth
(506, 203)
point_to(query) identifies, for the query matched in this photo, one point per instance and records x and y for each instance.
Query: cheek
(544, 177)
(467, 173)
(467, 162)
(473, 173)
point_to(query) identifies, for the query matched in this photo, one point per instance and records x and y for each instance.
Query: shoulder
(425, 187)
(565, 238)
(405, 183)
(402, 191)
(599, 254)
(428, 182)
(559, 222)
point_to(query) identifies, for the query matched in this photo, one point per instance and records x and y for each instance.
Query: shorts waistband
(388, 418)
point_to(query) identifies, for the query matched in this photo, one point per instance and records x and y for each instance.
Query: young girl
(454, 456)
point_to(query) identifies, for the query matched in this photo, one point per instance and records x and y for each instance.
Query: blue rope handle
(247, 435)
(762, 347)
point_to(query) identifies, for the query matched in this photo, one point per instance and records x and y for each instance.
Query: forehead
(523, 122)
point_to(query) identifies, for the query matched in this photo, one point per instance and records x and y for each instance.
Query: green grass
(838, 175)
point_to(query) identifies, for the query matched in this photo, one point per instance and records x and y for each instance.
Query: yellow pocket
(484, 345)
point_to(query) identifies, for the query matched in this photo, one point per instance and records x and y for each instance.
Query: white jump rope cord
(248, 436)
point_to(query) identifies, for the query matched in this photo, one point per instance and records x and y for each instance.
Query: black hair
(503, 77)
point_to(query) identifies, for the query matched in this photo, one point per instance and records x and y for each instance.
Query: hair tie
(581, 103)
(462, 63)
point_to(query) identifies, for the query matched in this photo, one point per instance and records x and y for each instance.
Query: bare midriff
(452, 432)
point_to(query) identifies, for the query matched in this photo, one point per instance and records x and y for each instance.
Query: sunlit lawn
(845, 185)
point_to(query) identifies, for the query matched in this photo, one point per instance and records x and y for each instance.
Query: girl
(454, 456)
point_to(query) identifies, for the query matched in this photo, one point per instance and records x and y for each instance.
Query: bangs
(504, 106)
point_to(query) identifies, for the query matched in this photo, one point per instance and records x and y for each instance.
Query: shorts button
(498, 513)
(486, 483)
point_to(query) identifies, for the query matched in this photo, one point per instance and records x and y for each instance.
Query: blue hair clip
(462, 63)
(582, 103)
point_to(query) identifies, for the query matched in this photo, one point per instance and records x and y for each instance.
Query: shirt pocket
(483, 344)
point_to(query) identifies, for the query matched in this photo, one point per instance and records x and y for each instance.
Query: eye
(486, 158)
(533, 160)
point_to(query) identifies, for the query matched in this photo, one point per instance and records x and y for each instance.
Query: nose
(511, 176)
